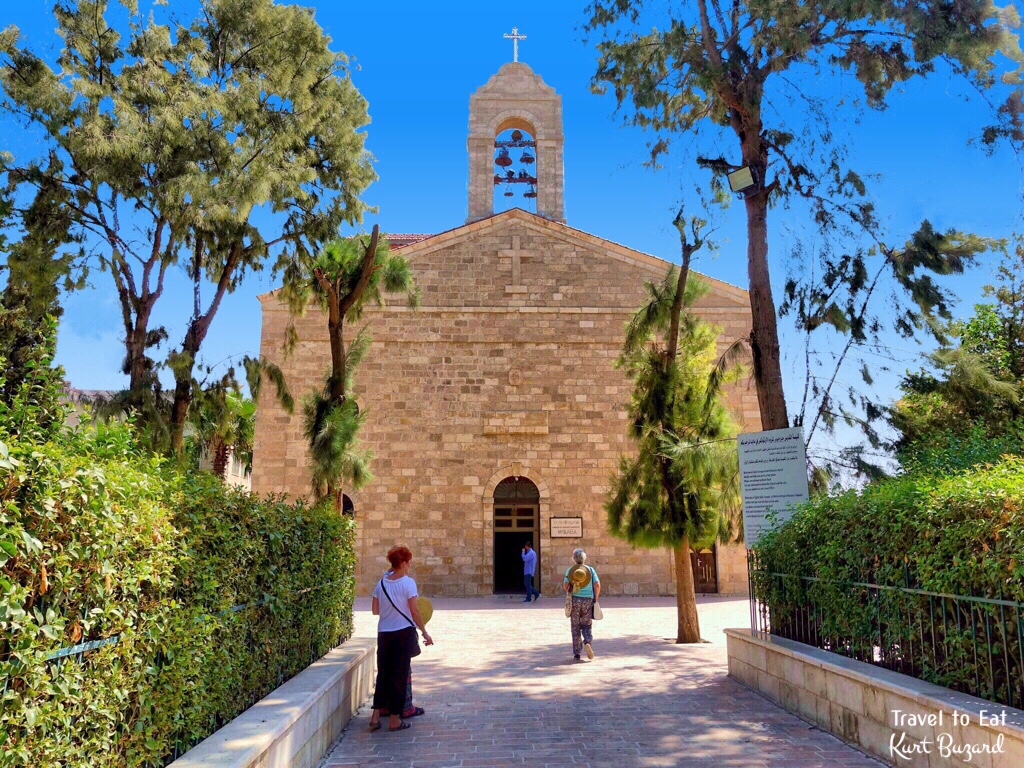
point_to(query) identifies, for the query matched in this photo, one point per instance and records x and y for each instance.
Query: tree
(340, 280)
(710, 66)
(222, 425)
(677, 488)
(166, 144)
(975, 384)
(836, 296)
(28, 331)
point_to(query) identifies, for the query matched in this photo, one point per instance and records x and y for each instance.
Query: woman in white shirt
(394, 601)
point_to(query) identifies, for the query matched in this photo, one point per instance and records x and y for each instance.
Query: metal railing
(974, 645)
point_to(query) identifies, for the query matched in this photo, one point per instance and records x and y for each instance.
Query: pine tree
(704, 69)
(679, 487)
(164, 144)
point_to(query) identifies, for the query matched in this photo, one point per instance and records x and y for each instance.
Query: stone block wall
(900, 719)
(481, 383)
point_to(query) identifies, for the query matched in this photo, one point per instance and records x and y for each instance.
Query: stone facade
(506, 369)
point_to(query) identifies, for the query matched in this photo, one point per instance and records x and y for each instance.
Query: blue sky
(418, 66)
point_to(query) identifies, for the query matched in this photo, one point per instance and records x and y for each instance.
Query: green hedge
(99, 540)
(957, 535)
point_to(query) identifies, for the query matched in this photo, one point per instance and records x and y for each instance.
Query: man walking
(529, 569)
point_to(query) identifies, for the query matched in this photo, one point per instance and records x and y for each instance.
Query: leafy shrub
(956, 535)
(954, 450)
(100, 540)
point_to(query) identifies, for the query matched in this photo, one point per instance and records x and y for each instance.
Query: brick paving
(501, 689)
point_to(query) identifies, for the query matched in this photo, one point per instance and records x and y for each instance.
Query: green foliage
(699, 65)
(959, 534)
(954, 450)
(99, 539)
(683, 478)
(341, 262)
(165, 141)
(223, 424)
(717, 74)
(336, 458)
(973, 387)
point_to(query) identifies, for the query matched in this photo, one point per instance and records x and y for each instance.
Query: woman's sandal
(375, 726)
(402, 727)
(416, 712)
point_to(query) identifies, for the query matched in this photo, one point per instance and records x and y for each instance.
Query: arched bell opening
(515, 167)
(516, 521)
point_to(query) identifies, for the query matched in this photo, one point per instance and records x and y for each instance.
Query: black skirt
(393, 664)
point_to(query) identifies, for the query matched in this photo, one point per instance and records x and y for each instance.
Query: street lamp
(741, 179)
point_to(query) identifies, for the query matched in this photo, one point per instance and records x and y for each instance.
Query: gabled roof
(561, 232)
(420, 245)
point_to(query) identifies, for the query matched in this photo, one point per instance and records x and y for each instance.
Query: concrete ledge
(900, 719)
(295, 725)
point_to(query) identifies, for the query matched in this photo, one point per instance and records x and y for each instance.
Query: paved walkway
(501, 689)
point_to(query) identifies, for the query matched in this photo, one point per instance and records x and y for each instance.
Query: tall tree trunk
(764, 336)
(336, 332)
(179, 411)
(135, 364)
(221, 456)
(688, 626)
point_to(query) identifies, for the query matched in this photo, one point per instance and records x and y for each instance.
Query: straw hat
(426, 609)
(579, 576)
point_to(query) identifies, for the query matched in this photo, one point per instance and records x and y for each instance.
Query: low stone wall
(900, 719)
(295, 725)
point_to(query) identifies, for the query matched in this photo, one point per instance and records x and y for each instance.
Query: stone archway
(516, 520)
(496, 496)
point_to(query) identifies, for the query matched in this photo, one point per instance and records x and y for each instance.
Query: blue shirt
(529, 562)
(587, 591)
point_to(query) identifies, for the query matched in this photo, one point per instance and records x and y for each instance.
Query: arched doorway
(516, 521)
(347, 507)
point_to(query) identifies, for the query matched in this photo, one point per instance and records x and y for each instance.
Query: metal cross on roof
(515, 37)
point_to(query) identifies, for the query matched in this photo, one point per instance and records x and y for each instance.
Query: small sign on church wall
(566, 527)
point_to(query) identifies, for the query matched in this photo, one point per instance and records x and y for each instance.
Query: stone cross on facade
(517, 255)
(515, 37)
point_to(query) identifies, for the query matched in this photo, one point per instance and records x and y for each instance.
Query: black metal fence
(970, 644)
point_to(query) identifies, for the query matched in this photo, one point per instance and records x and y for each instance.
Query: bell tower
(516, 100)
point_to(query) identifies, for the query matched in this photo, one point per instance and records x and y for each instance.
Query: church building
(494, 410)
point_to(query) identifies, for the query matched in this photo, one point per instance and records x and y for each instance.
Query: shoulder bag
(598, 614)
(414, 644)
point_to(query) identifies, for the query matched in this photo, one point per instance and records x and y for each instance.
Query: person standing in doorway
(529, 570)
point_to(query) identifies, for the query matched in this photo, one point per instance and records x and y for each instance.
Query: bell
(526, 158)
(517, 135)
(509, 193)
(503, 159)
(531, 192)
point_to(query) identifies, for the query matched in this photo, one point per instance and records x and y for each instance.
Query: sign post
(773, 477)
